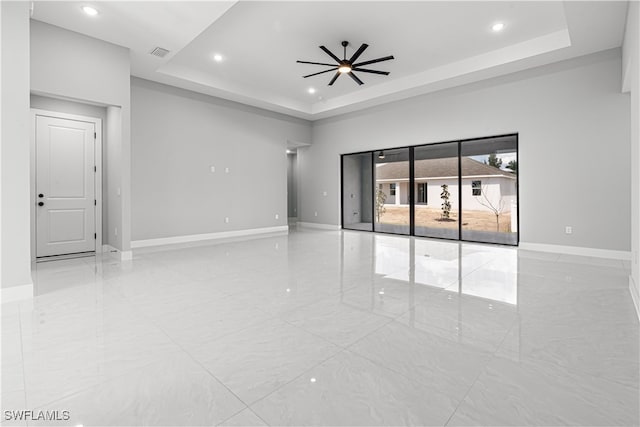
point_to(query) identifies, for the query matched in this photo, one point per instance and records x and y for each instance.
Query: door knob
(40, 203)
(41, 195)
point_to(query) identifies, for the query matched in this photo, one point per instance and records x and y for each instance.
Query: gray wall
(631, 64)
(178, 135)
(573, 124)
(15, 248)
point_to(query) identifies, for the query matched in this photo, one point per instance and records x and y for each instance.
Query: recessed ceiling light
(91, 11)
(311, 90)
(217, 57)
(498, 26)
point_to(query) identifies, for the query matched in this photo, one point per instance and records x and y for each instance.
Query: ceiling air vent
(159, 52)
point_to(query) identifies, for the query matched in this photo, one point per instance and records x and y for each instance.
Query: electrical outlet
(315, 214)
(568, 229)
(324, 193)
(213, 169)
(115, 231)
(226, 170)
(226, 219)
(277, 216)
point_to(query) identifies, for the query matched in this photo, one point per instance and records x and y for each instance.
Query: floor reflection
(481, 271)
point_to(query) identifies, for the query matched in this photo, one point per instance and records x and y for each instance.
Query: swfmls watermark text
(27, 415)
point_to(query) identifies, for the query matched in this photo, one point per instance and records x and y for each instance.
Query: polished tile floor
(325, 328)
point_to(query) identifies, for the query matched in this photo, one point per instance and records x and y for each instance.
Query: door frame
(35, 112)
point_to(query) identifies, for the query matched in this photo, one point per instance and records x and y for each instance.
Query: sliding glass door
(436, 190)
(489, 190)
(463, 190)
(392, 191)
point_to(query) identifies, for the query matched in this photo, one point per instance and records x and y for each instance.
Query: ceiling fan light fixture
(347, 66)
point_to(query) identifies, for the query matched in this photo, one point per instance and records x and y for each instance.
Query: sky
(506, 158)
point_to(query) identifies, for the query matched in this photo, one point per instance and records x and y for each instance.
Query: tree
(513, 165)
(497, 207)
(380, 199)
(446, 205)
(494, 161)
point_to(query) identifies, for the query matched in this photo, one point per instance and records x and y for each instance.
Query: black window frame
(411, 195)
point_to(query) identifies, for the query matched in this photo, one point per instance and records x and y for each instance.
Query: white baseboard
(208, 236)
(16, 293)
(635, 295)
(318, 225)
(576, 250)
(117, 253)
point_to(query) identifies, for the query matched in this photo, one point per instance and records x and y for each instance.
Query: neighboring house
(481, 183)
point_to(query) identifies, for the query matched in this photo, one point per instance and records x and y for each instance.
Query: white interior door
(65, 186)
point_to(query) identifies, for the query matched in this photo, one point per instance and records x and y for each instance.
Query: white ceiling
(436, 44)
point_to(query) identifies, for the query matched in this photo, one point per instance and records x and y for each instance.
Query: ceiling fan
(348, 66)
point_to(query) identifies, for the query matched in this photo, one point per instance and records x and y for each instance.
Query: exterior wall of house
(404, 193)
(434, 190)
(497, 192)
(401, 196)
(385, 187)
(490, 195)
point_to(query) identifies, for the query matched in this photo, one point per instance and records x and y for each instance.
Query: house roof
(438, 168)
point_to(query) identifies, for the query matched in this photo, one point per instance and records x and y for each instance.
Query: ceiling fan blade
(333, 80)
(328, 52)
(358, 52)
(373, 61)
(316, 63)
(354, 77)
(321, 72)
(364, 70)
